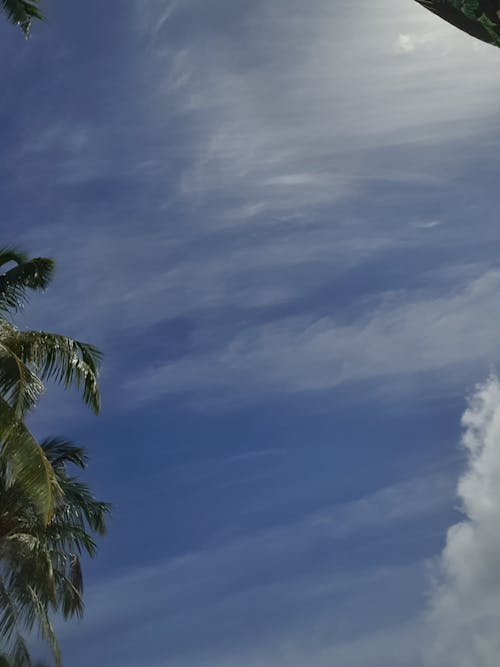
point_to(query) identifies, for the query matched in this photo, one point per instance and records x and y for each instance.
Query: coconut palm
(27, 360)
(40, 568)
(22, 12)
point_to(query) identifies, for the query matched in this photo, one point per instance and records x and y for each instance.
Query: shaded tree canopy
(479, 18)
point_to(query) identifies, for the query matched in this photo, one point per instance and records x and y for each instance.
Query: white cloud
(465, 615)
(406, 43)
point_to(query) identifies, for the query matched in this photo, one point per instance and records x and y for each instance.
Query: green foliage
(479, 18)
(22, 13)
(27, 360)
(26, 462)
(48, 517)
(34, 274)
(40, 568)
(35, 356)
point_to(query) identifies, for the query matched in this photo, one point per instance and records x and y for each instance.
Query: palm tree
(40, 568)
(22, 12)
(27, 360)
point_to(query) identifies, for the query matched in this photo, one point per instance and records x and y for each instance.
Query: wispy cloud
(255, 165)
(249, 602)
(403, 334)
(258, 599)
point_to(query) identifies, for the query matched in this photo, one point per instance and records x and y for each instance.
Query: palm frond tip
(22, 12)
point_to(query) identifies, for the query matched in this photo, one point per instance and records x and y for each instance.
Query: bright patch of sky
(279, 221)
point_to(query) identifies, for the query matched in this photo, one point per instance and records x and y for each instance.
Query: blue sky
(279, 222)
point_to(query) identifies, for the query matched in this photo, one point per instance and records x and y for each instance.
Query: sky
(278, 220)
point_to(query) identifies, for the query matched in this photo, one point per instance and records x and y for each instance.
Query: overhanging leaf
(21, 12)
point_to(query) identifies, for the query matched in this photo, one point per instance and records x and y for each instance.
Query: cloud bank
(465, 613)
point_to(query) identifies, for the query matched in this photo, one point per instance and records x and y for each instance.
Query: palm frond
(60, 452)
(79, 505)
(10, 254)
(66, 532)
(33, 274)
(32, 609)
(46, 630)
(40, 569)
(20, 654)
(22, 12)
(70, 589)
(10, 622)
(75, 573)
(9, 614)
(27, 461)
(62, 359)
(18, 385)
